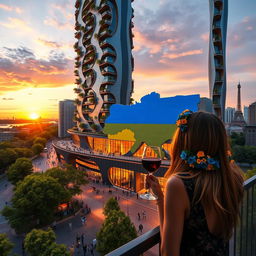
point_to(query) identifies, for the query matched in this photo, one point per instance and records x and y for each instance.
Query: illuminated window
(88, 164)
(110, 146)
(122, 178)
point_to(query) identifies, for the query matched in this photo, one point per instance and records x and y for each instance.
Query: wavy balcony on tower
(104, 63)
(217, 55)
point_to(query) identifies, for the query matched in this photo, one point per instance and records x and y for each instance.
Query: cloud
(17, 24)
(7, 98)
(19, 68)
(54, 22)
(182, 54)
(243, 32)
(19, 54)
(10, 8)
(170, 38)
(54, 44)
(51, 44)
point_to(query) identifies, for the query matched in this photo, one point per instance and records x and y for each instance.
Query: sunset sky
(171, 52)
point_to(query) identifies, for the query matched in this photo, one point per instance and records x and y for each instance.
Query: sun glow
(33, 116)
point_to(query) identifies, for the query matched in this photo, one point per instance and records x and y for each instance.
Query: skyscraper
(104, 62)
(229, 115)
(66, 114)
(217, 54)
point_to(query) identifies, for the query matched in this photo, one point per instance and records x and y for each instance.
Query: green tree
(19, 170)
(244, 154)
(5, 245)
(5, 144)
(111, 205)
(7, 157)
(69, 177)
(39, 140)
(34, 202)
(237, 139)
(116, 231)
(37, 148)
(42, 243)
(23, 152)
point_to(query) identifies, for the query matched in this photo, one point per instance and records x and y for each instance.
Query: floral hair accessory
(231, 160)
(200, 160)
(182, 121)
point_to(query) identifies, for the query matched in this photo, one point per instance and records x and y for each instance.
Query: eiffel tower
(238, 119)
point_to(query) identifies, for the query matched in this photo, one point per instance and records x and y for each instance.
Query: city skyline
(36, 59)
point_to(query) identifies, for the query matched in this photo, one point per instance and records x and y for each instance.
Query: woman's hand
(153, 183)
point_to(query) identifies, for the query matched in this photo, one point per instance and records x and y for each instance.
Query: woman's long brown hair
(222, 189)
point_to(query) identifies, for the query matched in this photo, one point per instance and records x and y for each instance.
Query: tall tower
(104, 62)
(66, 113)
(238, 119)
(217, 54)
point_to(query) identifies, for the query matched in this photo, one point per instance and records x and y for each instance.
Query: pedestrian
(85, 249)
(82, 238)
(54, 224)
(91, 249)
(138, 216)
(77, 239)
(140, 228)
(137, 195)
(144, 215)
(72, 250)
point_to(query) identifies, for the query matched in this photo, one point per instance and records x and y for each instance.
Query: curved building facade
(217, 55)
(104, 62)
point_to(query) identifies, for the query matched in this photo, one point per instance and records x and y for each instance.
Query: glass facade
(109, 146)
(122, 178)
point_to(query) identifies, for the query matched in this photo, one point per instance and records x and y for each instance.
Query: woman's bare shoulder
(175, 184)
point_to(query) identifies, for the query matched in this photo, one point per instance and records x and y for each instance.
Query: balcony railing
(243, 242)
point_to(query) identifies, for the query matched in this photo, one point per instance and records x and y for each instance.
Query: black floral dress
(197, 239)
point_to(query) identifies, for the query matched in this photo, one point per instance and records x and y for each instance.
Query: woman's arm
(176, 204)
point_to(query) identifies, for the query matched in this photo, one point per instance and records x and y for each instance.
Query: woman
(200, 205)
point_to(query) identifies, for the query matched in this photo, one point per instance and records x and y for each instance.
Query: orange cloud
(51, 44)
(20, 69)
(182, 54)
(17, 24)
(10, 8)
(53, 22)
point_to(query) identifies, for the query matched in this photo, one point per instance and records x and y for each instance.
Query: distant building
(246, 114)
(7, 135)
(252, 114)
(229, 114)
(66, 114)
(205, 105)
(250, 135)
